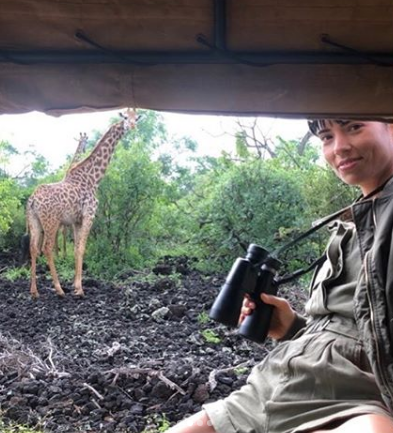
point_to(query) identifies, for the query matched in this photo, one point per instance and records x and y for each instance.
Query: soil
(128, 357)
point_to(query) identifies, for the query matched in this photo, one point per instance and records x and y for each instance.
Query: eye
(353, 127)
(325, 137)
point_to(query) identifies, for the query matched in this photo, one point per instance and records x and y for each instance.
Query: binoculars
(252, 275)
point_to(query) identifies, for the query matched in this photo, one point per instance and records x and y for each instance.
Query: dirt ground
(128, 357)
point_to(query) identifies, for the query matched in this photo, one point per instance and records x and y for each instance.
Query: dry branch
(134, 372)
(93, 390)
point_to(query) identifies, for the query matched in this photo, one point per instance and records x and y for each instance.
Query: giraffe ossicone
(71, 202)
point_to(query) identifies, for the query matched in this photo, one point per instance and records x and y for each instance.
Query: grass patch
(203, 318)
(14, 274)
(157, 424)
(14, 428)
(210, 336)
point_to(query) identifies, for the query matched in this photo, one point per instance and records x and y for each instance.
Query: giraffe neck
(79, 151)
(91, 170)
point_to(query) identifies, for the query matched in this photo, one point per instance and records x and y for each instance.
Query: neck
(371, 192)
(92, 169)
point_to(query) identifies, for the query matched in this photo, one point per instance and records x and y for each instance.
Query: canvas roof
(291, 58)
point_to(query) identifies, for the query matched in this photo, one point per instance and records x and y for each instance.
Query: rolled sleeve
(219, 417)
(243, 410)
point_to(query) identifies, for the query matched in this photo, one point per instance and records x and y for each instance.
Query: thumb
(271, 299)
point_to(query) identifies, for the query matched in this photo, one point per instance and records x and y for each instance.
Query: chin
(351, 181)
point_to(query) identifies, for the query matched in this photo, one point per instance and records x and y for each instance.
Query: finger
(242, 317)
(272, 300)
(246, 311)
(247, 303)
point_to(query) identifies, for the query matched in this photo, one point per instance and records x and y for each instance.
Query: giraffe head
(129, 119)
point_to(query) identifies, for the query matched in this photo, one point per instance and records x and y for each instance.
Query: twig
(94, 391)
(194, 372)
(50, 355)
(170, 384)
(135, 371)
(96, 403)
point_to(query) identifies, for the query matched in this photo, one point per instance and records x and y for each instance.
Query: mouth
(348, 164)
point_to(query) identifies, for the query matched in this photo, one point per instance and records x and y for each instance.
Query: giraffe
(71, 202)
(80, 150)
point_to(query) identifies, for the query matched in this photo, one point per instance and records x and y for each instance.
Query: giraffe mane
(89, 157)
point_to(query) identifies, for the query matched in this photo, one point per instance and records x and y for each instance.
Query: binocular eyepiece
(252, 275)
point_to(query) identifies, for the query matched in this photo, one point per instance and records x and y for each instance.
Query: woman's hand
(282, 318)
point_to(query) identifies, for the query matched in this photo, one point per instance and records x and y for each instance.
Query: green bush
(249, 203)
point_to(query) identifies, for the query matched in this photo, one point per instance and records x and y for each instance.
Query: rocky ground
(134, 356)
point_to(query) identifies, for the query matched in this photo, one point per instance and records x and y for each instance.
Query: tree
(10, 204)
(124, 226)
(247, 203)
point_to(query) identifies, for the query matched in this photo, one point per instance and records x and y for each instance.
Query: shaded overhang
(304, 58)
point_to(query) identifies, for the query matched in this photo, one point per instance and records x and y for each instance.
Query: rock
(201, 394)
(177, 310)
(161, 314)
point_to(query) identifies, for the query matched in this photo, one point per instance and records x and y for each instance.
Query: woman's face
(360, 153)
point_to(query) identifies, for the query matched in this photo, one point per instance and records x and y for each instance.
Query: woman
(332, 372)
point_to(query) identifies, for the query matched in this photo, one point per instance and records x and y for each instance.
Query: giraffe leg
(49, 243)
(57, 249)
(81, 234)
(64, 241)
(35, 248)
(34, 252)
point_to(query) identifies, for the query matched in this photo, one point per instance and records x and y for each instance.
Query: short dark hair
(316, 125)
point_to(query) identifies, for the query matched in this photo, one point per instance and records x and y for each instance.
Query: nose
(342, 144)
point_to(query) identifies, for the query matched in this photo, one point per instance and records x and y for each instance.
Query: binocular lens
(256, 254)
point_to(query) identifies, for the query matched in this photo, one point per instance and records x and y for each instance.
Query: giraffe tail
(24, 249)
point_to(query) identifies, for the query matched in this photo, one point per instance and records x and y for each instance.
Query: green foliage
(239, 371)
(14, 428)
(247, 203)
(10, 205)
(157, 424)
(210, 336)
(35, 171)
(140, 277)
(176, 278)
(13, 274)
(241, 145)
(65, 268)
(203, 318)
